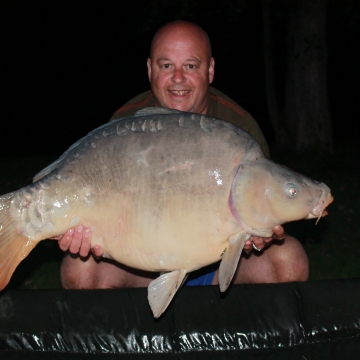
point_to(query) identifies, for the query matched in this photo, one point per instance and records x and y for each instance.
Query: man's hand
(262, 243)
(78, 241)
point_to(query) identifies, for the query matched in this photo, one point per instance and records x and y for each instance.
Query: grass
(332, 245)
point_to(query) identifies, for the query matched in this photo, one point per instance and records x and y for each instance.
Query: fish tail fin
(13, 246)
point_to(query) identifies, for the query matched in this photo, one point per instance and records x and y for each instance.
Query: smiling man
(180, 70)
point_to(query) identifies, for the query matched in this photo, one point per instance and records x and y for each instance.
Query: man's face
(180, 70)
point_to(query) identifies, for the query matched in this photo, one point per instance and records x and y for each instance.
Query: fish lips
(319, 210)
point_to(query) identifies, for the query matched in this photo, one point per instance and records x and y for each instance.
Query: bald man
(180, 70)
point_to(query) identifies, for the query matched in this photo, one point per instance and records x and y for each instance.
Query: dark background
(66, 66)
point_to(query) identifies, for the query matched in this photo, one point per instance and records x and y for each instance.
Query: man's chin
(180, 107)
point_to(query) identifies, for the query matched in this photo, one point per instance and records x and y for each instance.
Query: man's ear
(148, 63)
(211, 70)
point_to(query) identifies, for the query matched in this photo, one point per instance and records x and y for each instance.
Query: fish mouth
(319, 210)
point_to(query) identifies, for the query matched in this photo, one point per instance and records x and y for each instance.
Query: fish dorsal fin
(142, 112)
(54, 164)
(44, 172)
(162, 289)
(230, 259)
(47, 170)
(156, 111)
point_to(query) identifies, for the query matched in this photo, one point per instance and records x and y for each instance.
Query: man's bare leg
(85, 269)
(281, 262)
(91, 273)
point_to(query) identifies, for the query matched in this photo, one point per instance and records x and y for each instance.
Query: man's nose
(178, 76)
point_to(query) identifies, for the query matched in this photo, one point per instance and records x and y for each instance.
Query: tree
(304, 123)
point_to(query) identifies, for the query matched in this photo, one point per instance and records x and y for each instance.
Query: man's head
(181, 67)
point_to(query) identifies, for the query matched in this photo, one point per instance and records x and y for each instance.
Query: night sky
(68, 65)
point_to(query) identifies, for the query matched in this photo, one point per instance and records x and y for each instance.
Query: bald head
(181, 29)
(180, 67)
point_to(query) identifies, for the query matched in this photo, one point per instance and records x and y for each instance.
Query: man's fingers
(86, 242)
(259, 243)
(97, 251)
(247, 246)
(75, 245)
(77, 241)
(65, 240)
(278, 233)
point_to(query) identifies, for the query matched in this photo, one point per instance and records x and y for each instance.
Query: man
(180, 70)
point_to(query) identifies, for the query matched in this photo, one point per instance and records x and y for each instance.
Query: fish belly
(149, 230)
(154, 201)
(162, 238)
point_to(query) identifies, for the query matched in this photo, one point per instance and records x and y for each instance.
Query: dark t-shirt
(220, 106)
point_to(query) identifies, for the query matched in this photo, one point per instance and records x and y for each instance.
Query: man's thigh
(90, 273)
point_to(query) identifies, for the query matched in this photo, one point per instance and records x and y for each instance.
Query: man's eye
(165, 66)
(191, 66)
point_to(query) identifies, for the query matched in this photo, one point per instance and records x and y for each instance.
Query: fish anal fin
(162, 289)
(13, 247)
(230, 259)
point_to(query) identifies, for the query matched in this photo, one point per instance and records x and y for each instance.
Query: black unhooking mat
(305, 321)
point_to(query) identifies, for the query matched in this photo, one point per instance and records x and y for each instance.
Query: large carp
(163, 191)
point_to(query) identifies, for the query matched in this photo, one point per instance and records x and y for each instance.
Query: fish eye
(292, 190)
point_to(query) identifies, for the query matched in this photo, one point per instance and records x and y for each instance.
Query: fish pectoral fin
(162, 290)
(230, 259)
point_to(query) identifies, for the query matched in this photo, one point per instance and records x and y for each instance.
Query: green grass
(332, 245)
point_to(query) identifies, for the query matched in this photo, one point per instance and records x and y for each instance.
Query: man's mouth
(179, 92)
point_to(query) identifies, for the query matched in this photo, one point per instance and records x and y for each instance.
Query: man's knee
(76, 273)
(289, 260)
(283, 261)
